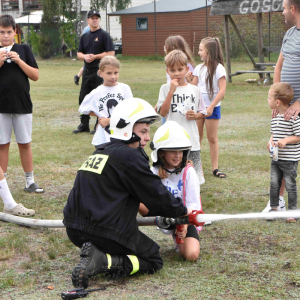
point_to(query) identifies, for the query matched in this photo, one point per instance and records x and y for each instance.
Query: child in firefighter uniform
(100, 214)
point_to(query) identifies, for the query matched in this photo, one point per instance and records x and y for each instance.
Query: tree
(114, 4)
(49, 41)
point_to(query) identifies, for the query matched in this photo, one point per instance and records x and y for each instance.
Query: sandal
(291, 220)
(219, 174)
(34, 188)
(19, 210)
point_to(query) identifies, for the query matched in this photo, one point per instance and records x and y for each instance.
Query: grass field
(239, 259)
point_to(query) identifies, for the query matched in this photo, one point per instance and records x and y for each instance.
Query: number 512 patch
(95, 163)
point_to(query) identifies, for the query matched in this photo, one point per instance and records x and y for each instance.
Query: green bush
(34, 40)
(45, 49)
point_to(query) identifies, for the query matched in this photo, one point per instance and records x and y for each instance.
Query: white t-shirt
(102, 101)
(201, 72)
(191, 69)
(174, 184)
(182, 93)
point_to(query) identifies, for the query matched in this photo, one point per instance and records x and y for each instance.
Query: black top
(95, 42)
(14, 83)
(107, 192)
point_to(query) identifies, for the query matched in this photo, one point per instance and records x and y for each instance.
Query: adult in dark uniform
(100, 214)
(93, 46)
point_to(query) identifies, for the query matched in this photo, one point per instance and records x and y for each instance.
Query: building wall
(190, 25)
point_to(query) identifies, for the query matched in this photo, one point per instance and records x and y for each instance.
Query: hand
(87, 58)
(3, 56)
(189, 76)
(92, 57)
(292, 111)
(209, 111)
(173, 85)
(190, 115)
(281, 143)
(275, 112)
(182, 234)
(155, 108)
(14, 56)
(104, 122)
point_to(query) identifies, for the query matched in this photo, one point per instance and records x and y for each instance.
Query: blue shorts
(216, 113)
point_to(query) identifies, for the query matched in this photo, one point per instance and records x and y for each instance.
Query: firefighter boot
(94, 261)
(84, 124)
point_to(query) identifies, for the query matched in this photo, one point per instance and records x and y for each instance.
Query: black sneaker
(93, 131)
(82, 128)
(94, 261)
(76, 79)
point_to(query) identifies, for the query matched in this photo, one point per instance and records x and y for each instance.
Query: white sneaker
(280, 207)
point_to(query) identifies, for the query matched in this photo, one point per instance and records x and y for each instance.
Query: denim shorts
(216, 113)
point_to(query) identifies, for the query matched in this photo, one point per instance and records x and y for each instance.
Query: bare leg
(200, 124)
(190, 250)
(212, 136)
(4, 153)
(26, 157)
(80, 72)
(1, 174)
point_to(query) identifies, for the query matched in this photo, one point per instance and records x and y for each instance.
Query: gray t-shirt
(290, 72)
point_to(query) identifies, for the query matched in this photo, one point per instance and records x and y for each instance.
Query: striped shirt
(280, 128)
(290, 72)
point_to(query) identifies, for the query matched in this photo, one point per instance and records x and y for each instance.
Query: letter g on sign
(243, 7)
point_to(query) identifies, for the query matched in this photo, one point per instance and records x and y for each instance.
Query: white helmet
(171, 135)
(126, 114)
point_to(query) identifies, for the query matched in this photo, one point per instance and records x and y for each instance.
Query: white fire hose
(197, 218)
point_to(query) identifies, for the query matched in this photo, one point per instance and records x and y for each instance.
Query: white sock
(281, 198)
(29, 178)
(6, 196)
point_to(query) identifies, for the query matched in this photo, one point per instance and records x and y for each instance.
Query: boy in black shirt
(17, 64)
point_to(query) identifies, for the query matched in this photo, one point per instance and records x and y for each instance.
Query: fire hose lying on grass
(197, 218)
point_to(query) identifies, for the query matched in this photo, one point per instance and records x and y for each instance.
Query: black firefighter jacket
(107, 192)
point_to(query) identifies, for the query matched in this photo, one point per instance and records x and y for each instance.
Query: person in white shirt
(102, 100)
(211, 79)
(182, 102)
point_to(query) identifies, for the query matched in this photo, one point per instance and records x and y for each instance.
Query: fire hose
(197, 218)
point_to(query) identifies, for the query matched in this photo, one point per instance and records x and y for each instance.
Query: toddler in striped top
(285, 134)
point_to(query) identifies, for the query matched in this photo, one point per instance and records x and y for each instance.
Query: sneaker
(76, 79)
(280, 207)
(20, 211)
(94, 261)
(272, 210)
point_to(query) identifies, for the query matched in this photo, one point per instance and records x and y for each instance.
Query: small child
(177, 94)
(177, 42)
(171, 147)
(211, 80)
(102, 100)
(17, 66)
(286, 136)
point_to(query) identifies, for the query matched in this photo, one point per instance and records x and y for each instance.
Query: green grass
(239, 259)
